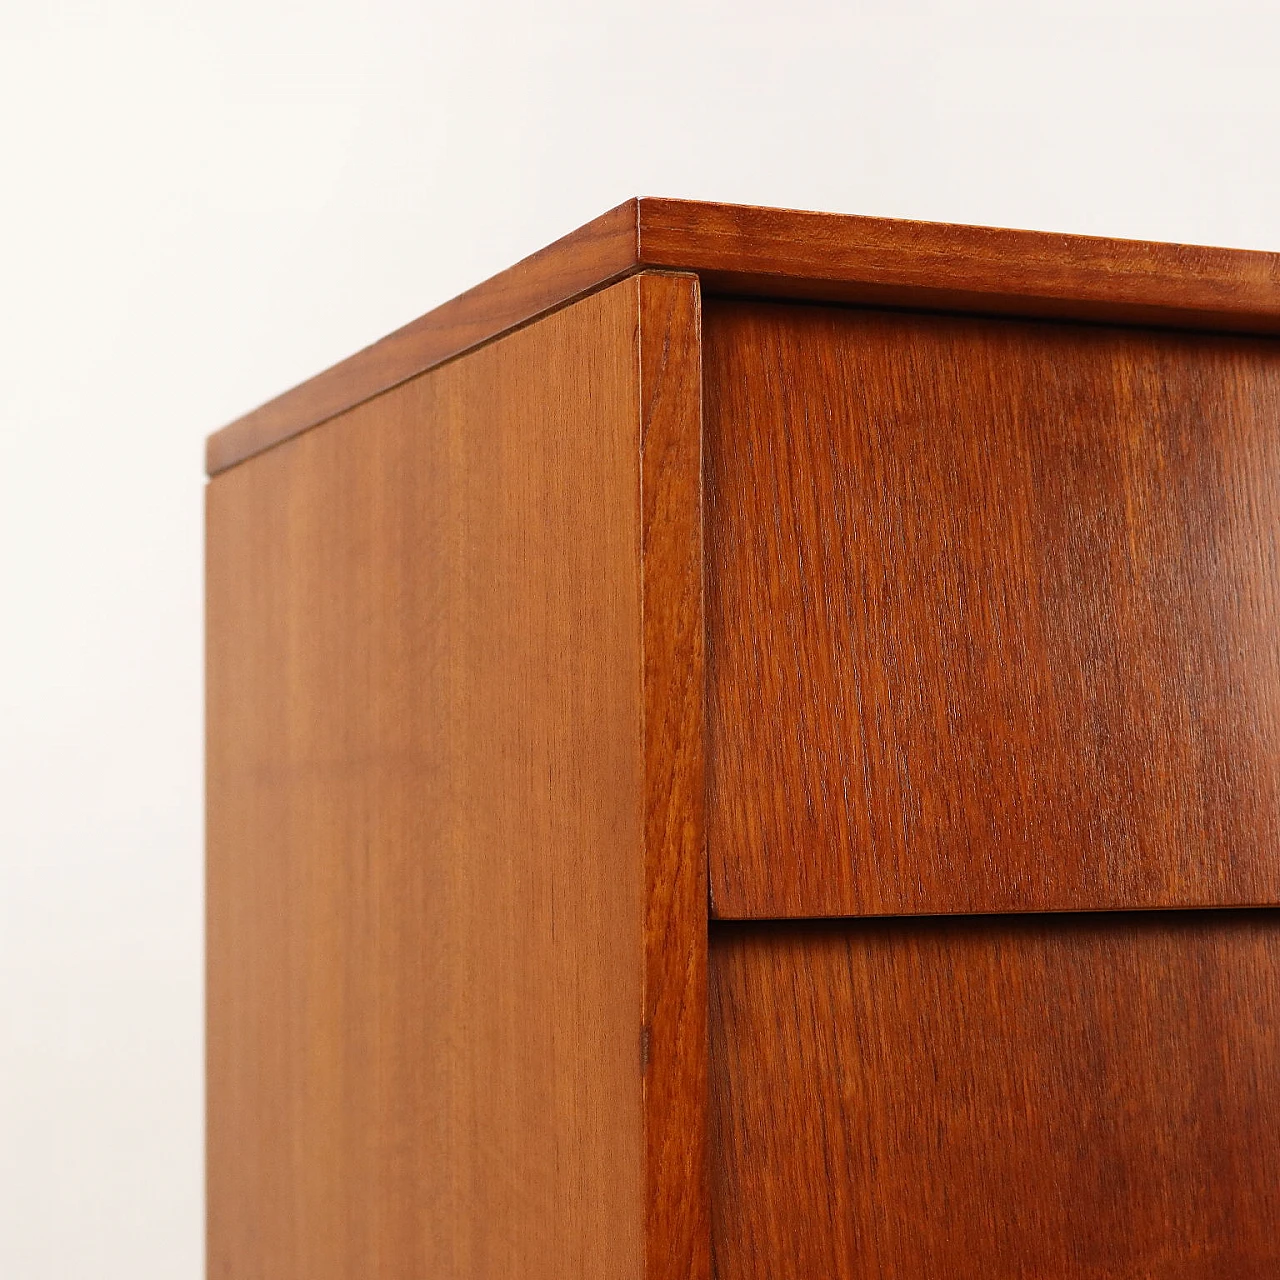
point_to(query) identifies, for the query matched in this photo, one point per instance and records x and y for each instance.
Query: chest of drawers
(749, 745)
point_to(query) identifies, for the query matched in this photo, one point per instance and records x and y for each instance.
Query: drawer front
(993, 614)
(1068, 1097)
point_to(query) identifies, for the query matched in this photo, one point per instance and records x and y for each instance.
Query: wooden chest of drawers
(749, 744)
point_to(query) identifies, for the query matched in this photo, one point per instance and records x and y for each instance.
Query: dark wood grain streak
(738, 249)
(1016, 1098)
(677, 1235)
(993, 613)
(456, 889)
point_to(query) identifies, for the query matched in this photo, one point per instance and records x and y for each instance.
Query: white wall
(203, 204)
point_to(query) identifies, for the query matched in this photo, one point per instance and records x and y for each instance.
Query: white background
(200, 205)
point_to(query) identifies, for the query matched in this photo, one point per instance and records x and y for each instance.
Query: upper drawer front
(993, 614)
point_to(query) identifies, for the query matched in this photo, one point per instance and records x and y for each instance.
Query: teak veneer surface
(993, 614)
(456, 888)
(1009, 1098)
(992, 624)
(743, 250)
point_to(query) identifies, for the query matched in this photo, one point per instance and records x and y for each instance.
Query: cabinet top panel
(784, 253)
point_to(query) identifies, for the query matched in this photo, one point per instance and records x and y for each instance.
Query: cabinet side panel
(426, 776)
(993, 615)
(1075, 1097)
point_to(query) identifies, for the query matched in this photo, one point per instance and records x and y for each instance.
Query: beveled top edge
(603, 250)
(751, 251)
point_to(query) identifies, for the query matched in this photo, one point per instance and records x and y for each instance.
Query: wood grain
(1016, 1098)
(585, 260)
(677, 1225)
(993, 613)
(741, 250)
(456, 897)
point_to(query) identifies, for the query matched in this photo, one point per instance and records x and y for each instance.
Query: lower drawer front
(1006, 1096)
